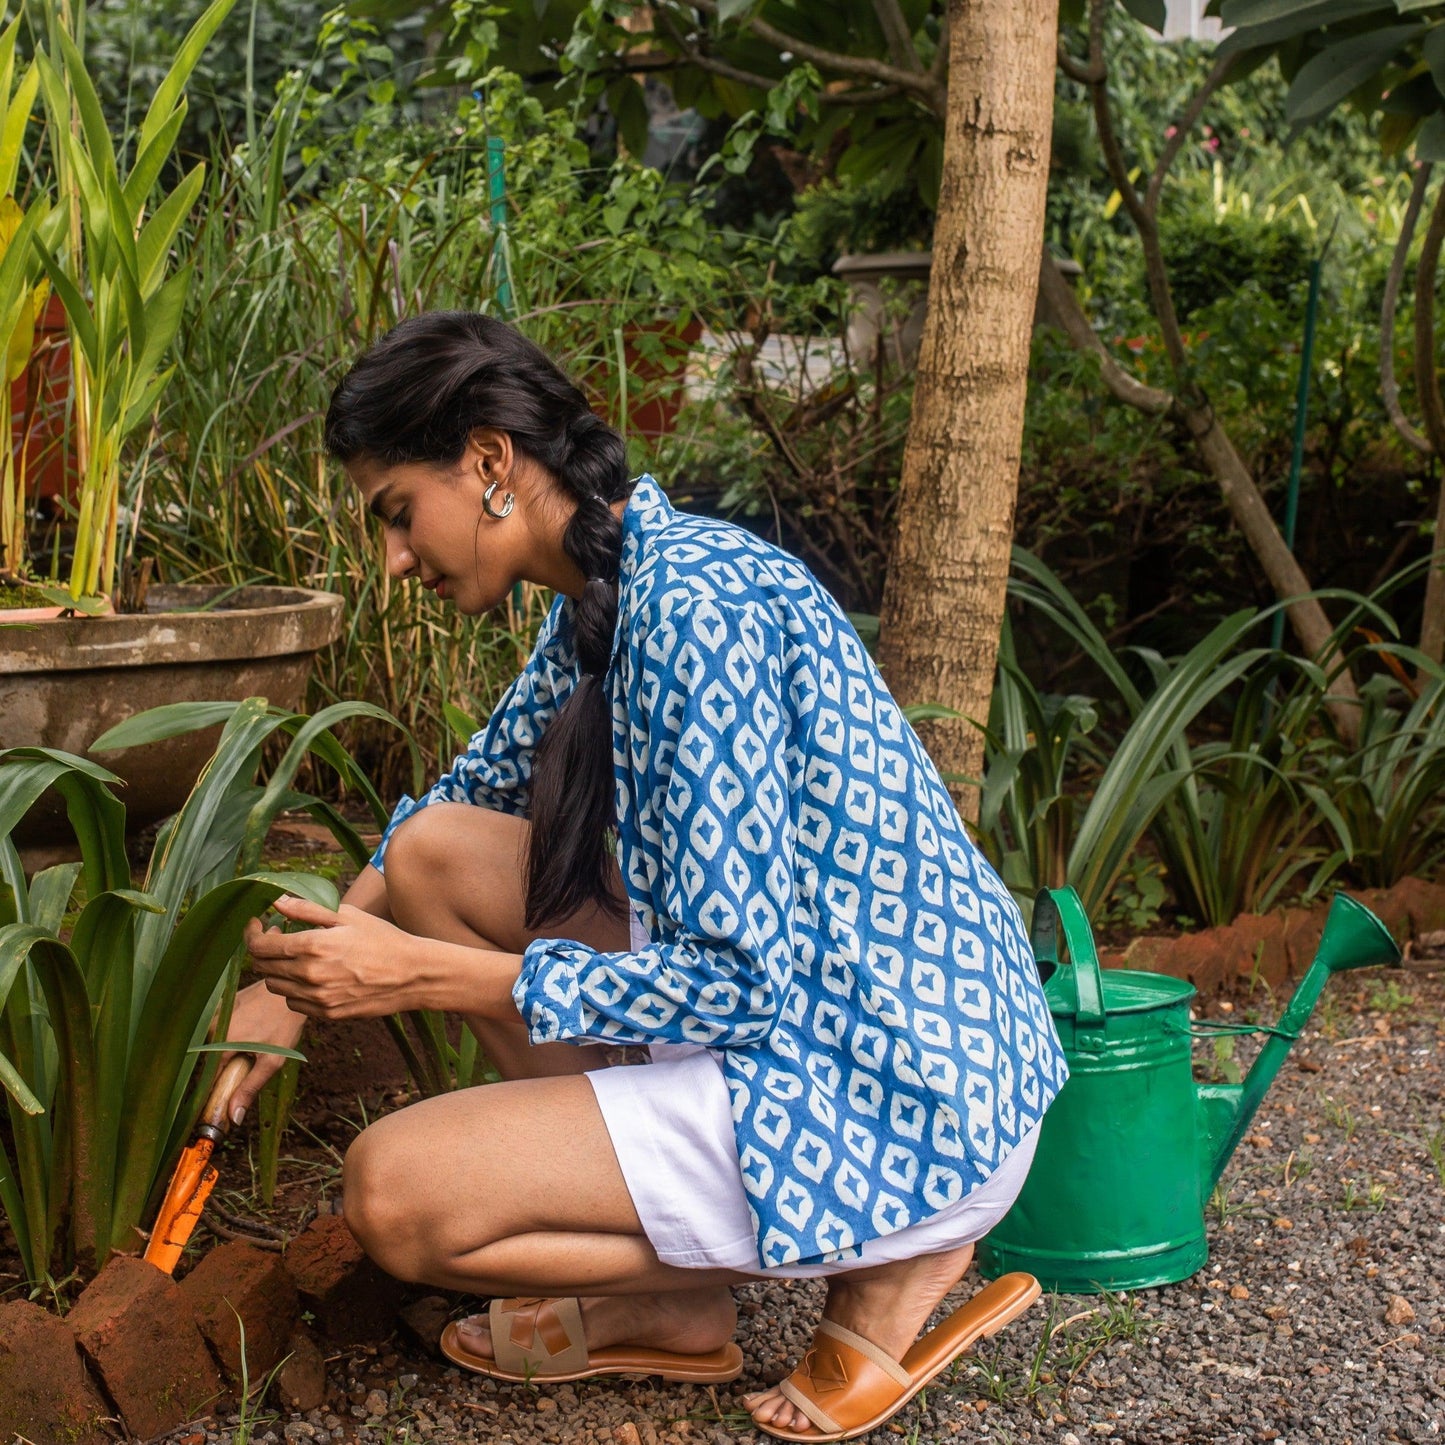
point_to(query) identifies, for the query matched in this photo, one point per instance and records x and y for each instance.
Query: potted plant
(112, 259)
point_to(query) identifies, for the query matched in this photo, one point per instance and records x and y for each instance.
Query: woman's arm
(353, 964)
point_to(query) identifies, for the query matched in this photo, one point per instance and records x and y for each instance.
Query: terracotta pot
(656, 384)
(39, 402)
(64, 682)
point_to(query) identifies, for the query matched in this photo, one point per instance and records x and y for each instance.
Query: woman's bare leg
(454, 873)
(515, 1189)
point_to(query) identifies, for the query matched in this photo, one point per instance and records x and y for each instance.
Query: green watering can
(1132, 1148)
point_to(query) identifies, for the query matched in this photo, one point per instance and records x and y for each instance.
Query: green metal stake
(497, 193)
(1301, 418)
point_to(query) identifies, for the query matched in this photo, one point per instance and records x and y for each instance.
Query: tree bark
(943, 601)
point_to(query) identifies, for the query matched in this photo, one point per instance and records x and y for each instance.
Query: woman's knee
(400, 1206)
(437, 858)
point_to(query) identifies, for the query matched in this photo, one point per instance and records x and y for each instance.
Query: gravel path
(1320, 1315)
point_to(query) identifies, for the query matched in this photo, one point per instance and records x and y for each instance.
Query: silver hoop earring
(491, 511)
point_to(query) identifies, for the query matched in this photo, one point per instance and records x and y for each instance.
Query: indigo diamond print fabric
(818, 913)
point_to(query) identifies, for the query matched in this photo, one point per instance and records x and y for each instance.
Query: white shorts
(671, 1125)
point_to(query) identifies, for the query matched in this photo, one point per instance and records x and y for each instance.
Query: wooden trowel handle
(217, 1108)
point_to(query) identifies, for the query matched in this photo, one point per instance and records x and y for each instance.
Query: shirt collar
(647, 512)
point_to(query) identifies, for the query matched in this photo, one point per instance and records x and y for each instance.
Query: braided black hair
(417, 396)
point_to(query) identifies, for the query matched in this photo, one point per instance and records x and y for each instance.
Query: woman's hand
(260, 1017)
(347, 964)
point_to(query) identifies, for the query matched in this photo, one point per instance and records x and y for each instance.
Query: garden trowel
(195, 1175)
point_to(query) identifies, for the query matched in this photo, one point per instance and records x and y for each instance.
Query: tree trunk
(943, 600)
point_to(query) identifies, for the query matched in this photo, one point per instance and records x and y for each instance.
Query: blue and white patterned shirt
(817, 911)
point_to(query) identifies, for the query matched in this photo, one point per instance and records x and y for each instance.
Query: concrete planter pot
(63, 682)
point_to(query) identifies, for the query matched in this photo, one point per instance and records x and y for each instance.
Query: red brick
(1302, 930)
(1149, 953)
(352, 1299)
(136, 1329)
(1389, 906)
(1423, 904)
(45, 1392)
(1264, 956)
(1199, 958)
(239, 1280)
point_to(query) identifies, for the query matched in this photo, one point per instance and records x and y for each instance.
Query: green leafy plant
(107, 1034)
(115, 272)
(1028, 812)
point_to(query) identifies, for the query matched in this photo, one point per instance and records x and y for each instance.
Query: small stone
(1312, 1138)
(1399, 1311)
(1283, 1223)
(626, 1434)
(1260, 1141)
(426, 1318)
(1238, 1291)
(545, 1403)
(406, 1382)
(299, 1430)
(1275, 1312)
(376, 1404)
(301, 1380)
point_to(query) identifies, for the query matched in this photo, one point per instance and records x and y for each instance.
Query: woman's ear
(490, 452)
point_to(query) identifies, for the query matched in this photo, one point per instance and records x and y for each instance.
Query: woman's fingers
(303, 910)
(263, 1067)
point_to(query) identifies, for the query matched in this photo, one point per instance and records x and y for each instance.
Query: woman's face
(437, 531)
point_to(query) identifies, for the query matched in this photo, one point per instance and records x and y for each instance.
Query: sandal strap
(810, 1407)
(867, 1349)
(534, 1336)
(845, 1381)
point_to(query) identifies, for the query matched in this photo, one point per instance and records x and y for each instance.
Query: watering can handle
(1057, 909)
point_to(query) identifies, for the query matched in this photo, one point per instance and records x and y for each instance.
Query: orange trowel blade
(195, 1175)
(191, 1185)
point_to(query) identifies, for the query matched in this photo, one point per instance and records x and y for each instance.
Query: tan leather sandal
(847, 1386)
(542, 1339)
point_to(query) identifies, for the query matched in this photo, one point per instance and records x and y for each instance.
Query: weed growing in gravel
(1331, 1015)
(1435, 1147)
(1064, 1349)
(1340, 1115)
(1390, 998)
(1222, 1205)
(1372, 1196)
(248, 1418)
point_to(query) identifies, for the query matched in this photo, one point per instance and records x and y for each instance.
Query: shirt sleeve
(496, 769)
(709, 740)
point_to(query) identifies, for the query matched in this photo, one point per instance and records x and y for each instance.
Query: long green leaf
(50, 892)
(17, 118)
(174, 1009)
(167, 721)
(1330, 76)
(87, 104)
(170, 91)
(70, 1021)
(16, 942)
(149, 162)
(154, 242)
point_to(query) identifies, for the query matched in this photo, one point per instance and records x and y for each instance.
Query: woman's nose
(400, 559)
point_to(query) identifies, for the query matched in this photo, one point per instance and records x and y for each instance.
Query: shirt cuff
(549, 999)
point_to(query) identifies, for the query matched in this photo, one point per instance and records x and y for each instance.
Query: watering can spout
(1353, 938)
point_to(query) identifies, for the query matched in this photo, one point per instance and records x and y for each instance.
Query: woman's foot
(687, 1322)
(887, 1304)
